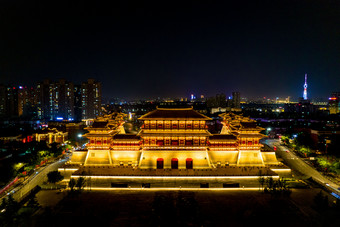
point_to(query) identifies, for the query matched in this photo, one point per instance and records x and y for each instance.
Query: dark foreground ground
(181, 208)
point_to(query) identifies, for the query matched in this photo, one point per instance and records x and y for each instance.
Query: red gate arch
(189, 163)
(174, 163)
(160, 163)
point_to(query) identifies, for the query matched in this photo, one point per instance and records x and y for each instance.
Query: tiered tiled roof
(174, 114)
(249, 126)
(239, 126)
(222, 137)
(106, 125)
(99, 124)
(126, 137)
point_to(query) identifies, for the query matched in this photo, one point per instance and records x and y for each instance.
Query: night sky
(170, 49)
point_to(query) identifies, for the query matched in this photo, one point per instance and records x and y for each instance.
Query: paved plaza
(183, 208)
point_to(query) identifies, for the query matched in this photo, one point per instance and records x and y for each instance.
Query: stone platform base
(209, 172)
(130, 177)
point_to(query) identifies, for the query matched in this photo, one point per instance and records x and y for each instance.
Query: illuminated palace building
(172, 140)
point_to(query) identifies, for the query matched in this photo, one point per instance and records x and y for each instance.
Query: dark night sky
(260, 48)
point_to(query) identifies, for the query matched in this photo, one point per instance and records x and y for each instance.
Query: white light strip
(66, 169)
(281, 170)
(173, 177)
(171, 189)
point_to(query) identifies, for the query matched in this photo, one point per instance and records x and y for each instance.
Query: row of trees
(275, 187)
(303, 144)
(13, 213)
(25, 157)
(329, 163)
(77, 185)
(54, 177)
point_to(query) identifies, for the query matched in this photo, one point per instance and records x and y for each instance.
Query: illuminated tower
(305, 88)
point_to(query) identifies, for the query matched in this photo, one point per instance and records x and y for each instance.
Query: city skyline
(183, 97)
(146, 50)
(166, 113)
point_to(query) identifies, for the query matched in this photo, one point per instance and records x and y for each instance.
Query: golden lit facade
(100, 139)
(50, 136)
(175, 139)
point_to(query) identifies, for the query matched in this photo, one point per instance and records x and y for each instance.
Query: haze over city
(262, 48)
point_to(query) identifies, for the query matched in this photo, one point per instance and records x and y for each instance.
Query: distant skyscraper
(305, 88)
(65, 100)
(221, 100)
(43, 96)
(91, 95)
(17, 101)
(56, 100)
(77, 103)
(236, 101)
(12, 102)
(27, 101)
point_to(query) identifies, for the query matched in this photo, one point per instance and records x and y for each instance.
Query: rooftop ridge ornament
(305, 88)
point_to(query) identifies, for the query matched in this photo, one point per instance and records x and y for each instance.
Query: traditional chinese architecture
(248, 136)
(172, 149)
(101, 138)
(174, 139)
(50, 135)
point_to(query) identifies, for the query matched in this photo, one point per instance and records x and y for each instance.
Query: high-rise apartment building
(17, 101)
(27, 101)
(43, 96)
(91, 93)
(236, 100)
(52, 100)
(65, 99)
(56, 100)
(77, 103)
(11, 102)
(218, 101)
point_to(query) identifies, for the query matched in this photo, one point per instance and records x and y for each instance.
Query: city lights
(195, 113)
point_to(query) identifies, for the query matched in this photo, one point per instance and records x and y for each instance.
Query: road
(301, 169)
(36, 179)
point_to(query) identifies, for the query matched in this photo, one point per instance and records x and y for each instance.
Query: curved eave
(251, 129)
(98, 129)
(176, 119)
(175, 134)
(201, 117)
(259, 136)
